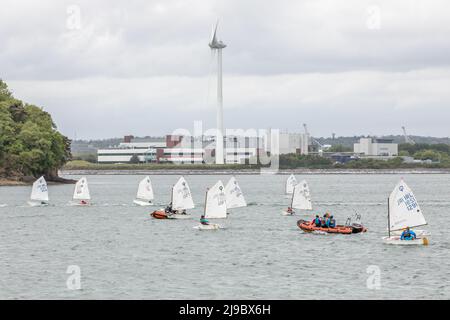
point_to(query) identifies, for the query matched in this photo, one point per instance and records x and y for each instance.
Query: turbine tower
(216, 47)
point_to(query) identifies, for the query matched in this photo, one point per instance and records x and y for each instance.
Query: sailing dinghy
(215, 206)
(291, 182)
(181, 200)
(144, 195)
(233, 195)
(404, 211)
(301, 198)
(81, 195)
(39, 193)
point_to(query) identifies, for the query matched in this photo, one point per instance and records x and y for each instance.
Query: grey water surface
(123, 253)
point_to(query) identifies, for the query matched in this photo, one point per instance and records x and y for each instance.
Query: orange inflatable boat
(308, 226)
(159, 214)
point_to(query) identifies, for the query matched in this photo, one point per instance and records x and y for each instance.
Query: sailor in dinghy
(233, 195)
(39, 193)
(215, 207)
(404, 213)
(301, 199)
(81, 193)
(181, 200)
(144, 195)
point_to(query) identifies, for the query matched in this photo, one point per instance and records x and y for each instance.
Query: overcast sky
(106, 68)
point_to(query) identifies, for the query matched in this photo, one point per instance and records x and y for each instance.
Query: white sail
(291, 182)
(301, 197)
(404, 211)
(145, 190)
(81, 191)
(234, 195)
(216, 206)
(39, 192)
(181, 196)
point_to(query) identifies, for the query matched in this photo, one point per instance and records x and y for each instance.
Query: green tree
(29, 141)
(135, 159)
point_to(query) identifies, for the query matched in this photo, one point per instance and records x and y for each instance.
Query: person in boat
(203, 220)
(325, 220)
(183, 212)
(169, 209)
(289, 210)
(332, 222)
(408, 234)
(317, 221)
(83, 202)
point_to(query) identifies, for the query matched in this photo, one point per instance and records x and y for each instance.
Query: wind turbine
(217, 46)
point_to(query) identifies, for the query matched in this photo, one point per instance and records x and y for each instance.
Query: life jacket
(332, 223)
(317, 221)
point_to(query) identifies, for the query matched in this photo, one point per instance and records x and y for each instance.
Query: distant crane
(310, 140)
(408, 139)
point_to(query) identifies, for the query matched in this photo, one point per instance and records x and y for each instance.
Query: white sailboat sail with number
(181, 200)
(215, 206)
(301, 198)
(39, 193)
(291, 182)
(144, 194)
(404, 212)
(233, 194)
(81, 195)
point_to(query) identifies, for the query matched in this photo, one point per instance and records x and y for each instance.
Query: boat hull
(159, 214)
(307, 226)
(142, 203)
(162, 214)
(211, 226)
(73, 203)
(285, 213)
(37, 204)
(179, 216)
(395, 240)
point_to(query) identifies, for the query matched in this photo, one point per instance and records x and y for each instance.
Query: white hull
(3, 205)
(142, 203)
(419, 233)
(73, 203)
(211, 226)
(395, 240)
(179, 216)
(37, 204)
(285, 213)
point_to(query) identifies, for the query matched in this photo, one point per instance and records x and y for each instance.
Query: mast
(206, 199)
(389, 220)
(292, 198)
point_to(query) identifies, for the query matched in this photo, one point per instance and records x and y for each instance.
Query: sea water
(119, 252)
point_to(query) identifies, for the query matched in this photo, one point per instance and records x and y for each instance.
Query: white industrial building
(180, 149)
(288, 142)
(376, 147)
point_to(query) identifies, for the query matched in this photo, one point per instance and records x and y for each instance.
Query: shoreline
(17, 183)
(66, 172)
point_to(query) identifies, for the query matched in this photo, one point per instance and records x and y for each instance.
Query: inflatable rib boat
(308, 226)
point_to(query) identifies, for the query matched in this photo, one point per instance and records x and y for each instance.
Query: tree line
(30, 144)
